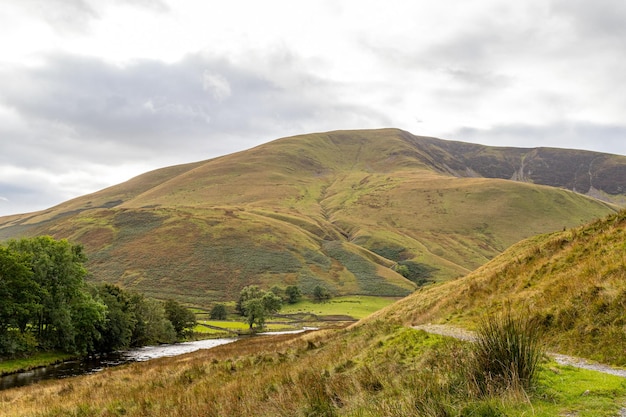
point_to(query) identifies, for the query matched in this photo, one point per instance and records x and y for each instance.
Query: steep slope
(341, 209)
(572, 282)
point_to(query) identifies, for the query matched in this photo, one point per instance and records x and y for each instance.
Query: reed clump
(506, 354)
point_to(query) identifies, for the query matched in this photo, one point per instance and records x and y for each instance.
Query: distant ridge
(376, 212)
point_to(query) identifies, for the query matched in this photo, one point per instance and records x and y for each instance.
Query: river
(91, 365)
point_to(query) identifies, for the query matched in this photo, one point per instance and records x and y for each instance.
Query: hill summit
(360, 212)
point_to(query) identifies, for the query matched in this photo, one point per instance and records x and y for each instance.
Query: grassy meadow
(373, 369)
(350, 307)
(569, 286)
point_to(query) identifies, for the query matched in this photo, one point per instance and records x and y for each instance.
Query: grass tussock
(506, 354)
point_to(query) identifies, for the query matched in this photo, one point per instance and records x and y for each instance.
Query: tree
(181, 318)
(321, 293)
(64, 303)
(247, 293)
(218, 312)
(152, 327)
(19, 301)
(255, 312)
(256, 304)
(117, 331)
(271, 302)
(293, 294)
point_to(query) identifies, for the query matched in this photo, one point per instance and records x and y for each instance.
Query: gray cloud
(538, 72)
(75, 112)
(81, 106)
(600, 21)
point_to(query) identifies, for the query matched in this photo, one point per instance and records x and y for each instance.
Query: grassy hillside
(340, 209)
(573, 283)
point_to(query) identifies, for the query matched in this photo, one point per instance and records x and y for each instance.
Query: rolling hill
(348, 210)
(572, 282)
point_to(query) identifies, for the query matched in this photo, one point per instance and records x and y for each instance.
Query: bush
(506, 354)
(293, 294)
(218, 312)
(14, 343)
(321, 294)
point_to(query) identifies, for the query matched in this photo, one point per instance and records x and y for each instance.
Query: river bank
(39, 360)
(49, 366)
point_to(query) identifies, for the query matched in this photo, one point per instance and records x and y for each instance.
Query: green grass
(572, 282)
(237, 326)
(564, 390)
(35, 361)
(225, 324)
(372, 369)
(356, 307)
(506, 353)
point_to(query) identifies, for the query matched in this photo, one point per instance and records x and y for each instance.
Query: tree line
(46, 304)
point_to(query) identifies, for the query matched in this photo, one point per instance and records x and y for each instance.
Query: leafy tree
(247, 293)
(256, 304)
(64, 304)
(19, 301)
(152, 327)
(87, 318)
(271, 302)
(117, 331)
(321, 293)
(293, 294)
(218, 312)
(255, 312)
(181, 318)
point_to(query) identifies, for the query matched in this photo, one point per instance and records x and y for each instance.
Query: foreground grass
(376, 369)
(573, 283)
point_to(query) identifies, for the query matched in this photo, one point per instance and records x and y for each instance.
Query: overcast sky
(94, 92)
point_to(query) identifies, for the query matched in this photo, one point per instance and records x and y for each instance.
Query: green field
(357, 306)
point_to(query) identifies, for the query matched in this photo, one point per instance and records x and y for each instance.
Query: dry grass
(373, 369)
(573, 283)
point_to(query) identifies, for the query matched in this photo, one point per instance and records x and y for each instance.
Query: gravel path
(581, 363)
(467, 335)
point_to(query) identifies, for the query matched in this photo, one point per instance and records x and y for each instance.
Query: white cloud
(86, 86)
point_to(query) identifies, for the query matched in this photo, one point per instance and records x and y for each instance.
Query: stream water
(91, 365)
(94, 364)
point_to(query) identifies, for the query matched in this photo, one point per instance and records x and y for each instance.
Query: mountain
(572, 282)
(361, 212)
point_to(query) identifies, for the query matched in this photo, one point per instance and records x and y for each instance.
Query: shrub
(218, 312)
(321, 294)
(506, 354)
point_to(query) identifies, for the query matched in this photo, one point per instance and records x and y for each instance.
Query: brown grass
(572, 282)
